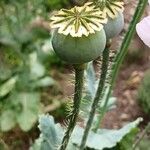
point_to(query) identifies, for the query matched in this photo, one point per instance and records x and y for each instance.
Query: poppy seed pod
(114, 26)
(113, 10)
(79, 36)
(78, 50)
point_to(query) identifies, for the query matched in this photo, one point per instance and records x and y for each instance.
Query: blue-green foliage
(51, 135)
(91, 84)
(128, 141)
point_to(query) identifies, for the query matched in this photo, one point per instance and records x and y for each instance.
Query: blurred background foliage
(26, 57)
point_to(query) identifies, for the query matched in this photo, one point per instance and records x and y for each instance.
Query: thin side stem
(97, 98)
(128, 37)
(142, 136)
(124, 49)
(79, 74)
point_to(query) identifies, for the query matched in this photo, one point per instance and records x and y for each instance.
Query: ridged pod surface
(76, 50)
(78, 35)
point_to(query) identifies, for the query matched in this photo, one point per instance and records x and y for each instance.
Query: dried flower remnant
(110, 8)
(78, 21)
(113, 11)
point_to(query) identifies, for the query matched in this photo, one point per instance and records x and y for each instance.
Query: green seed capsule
(77, 50)
(114, 26)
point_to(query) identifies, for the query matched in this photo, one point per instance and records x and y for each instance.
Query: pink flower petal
(143, 30)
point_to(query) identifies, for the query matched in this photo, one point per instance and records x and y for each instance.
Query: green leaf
(90, 79)
(5, 72)
(6, 87)
(37, 70)
(7, 120)
(36, 145)
(110, 104)
(29, 103)
(51, 134)
(44, 82)
(127, 142)
(90, 90)
(104, 138)
(71, 146)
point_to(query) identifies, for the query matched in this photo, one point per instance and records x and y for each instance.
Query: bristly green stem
(123, 51)
(97, 97)
(79, 75)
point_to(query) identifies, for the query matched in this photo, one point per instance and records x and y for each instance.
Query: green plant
(81, 29)
(20, 95)
(52, 134)
(89, 135)
(143, 93)
(73, 27)
(22, 65)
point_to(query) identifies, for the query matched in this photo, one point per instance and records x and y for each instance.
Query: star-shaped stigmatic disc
(110, 8)
(78, 21)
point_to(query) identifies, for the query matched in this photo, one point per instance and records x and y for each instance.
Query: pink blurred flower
(143, 30)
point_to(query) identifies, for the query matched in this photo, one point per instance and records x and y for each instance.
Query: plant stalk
(79, 75)
(142, 136)
(97, 97)
(123, 51)
(102, 110)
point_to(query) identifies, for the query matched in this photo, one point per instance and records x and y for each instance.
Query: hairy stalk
(97, 97)
(122, 52)
(112, 54)
(79, 74)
